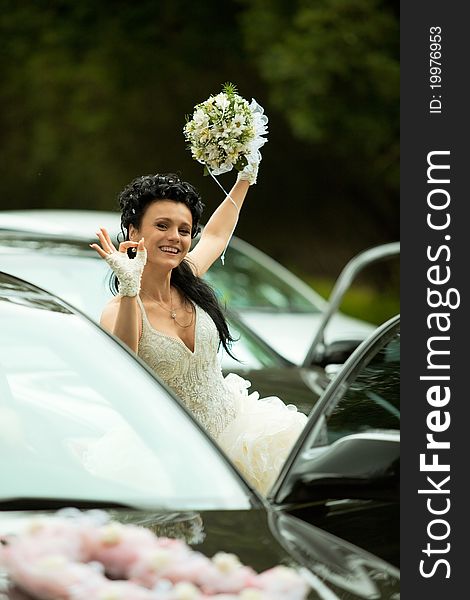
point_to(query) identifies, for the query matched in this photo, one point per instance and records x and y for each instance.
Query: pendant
(173, 315)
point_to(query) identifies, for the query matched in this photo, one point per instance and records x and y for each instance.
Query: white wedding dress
(256, 434)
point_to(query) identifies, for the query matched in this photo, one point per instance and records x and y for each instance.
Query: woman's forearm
(126, 325)
(224, 218)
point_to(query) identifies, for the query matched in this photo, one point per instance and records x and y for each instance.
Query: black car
(347, 462)
(84, 423)
(344, 473)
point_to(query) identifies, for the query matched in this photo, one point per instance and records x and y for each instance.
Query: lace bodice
(196, 377)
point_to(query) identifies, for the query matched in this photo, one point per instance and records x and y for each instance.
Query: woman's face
(166, 228)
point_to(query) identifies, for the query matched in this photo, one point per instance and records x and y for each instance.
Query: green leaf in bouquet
(229, 88)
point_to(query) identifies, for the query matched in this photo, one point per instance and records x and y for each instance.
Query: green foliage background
(94, 93)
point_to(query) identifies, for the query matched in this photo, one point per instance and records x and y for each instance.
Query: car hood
(261, 539)
(291, 334)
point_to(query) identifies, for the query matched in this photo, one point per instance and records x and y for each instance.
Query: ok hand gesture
(128, 270)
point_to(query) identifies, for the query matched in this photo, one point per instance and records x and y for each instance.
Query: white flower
(200, 118)
(198, 153)
(186, 591)
(160, 559)
(232, 156)
(52, 562)
(226, 563)
(213, 153)
(222, 101)
(251, 594)
(111, 534)
(237, 129)
(110, 595)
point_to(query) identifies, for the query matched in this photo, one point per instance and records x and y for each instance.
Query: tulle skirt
(262, 434)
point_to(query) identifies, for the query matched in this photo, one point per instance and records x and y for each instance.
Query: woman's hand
(250, 172)
(128, 270)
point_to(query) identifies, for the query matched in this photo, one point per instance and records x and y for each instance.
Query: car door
(330, 347)
(343, 473)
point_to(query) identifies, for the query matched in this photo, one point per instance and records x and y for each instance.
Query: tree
(332, 69)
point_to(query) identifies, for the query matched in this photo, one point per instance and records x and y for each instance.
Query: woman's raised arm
(218, 231)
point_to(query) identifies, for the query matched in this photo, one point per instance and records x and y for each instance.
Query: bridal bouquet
(226, 131)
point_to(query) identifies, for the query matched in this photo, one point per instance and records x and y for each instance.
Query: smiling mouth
(169, 250)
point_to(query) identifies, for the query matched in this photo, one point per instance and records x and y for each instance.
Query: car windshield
(81, 419)
(246, 283)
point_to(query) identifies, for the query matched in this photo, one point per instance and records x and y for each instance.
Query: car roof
(78, 224)
(81, 225)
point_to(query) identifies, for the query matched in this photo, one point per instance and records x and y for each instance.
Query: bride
(172, 319)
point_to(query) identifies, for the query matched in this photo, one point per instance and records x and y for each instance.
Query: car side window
(370, 402)
(256, 286)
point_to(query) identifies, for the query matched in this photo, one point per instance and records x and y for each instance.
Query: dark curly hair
(135, 197)
(134, 201)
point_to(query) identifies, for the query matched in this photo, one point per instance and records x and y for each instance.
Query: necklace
(171, 310)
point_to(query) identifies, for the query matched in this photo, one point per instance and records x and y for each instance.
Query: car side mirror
(336, 352)
(362, 466)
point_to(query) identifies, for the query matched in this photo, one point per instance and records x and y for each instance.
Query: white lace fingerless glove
(249, 173)
(128, 270)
